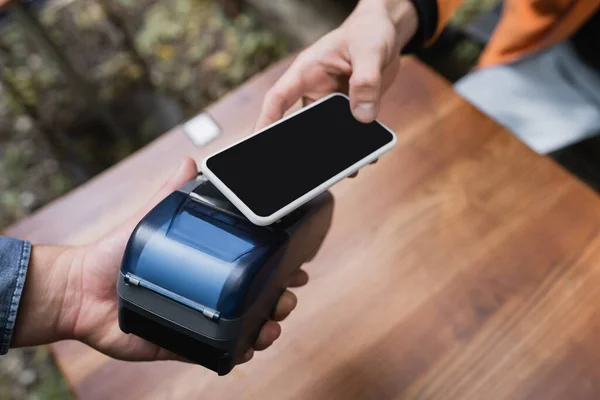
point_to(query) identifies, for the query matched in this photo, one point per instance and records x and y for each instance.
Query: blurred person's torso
(587, 41)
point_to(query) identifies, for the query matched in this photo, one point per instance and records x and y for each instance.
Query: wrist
(427, 25)
(401, 13)
(50, 301)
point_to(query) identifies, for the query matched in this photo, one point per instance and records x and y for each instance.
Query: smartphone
(277, 169)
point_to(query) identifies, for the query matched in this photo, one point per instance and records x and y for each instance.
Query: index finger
(286, 91)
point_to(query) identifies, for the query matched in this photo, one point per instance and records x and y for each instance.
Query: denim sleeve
(14, 259)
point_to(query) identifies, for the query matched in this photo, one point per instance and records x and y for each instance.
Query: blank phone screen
(270, 170)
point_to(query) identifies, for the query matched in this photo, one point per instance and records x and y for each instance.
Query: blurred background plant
(152, 63)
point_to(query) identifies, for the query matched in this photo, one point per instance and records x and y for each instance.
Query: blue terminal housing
(199, 279)
(202, 255)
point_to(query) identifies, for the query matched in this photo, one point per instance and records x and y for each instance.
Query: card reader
(200, 280)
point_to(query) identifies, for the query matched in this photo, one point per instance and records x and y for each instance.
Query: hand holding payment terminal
(200, 280)
(203, 271)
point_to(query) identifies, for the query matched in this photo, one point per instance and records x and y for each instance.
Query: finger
(186, 171)
(269, 333)
(306, 101)
(338, 71)
(282, 96)
(300, 278)
(354, 175)
(247, 356)
(389, 74)
(286, 304)
(365, 84)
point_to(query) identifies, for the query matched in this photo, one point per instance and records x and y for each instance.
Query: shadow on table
(582, 159)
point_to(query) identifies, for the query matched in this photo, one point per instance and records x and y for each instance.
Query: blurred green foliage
(470, 9)
(190, 51)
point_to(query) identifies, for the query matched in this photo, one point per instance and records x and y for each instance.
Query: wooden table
(461, 266)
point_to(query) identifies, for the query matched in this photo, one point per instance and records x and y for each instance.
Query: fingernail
(365, 112)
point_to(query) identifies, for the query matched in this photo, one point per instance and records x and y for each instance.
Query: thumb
(186, 171)
(365, 85)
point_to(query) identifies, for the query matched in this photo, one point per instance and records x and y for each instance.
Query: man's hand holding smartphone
(359, 58)
(278, 169)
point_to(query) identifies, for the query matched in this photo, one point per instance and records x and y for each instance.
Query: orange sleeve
(446, 9)
(531, 25)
